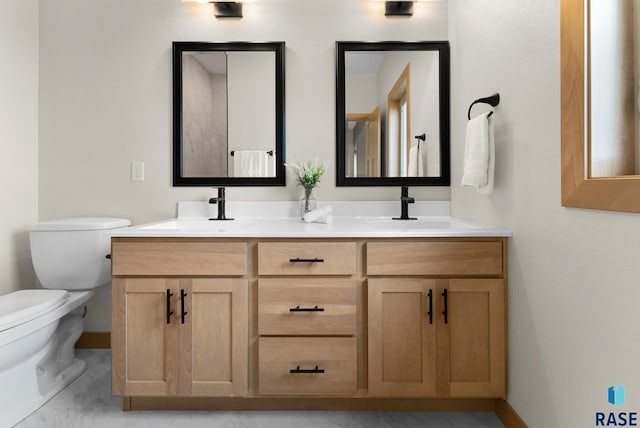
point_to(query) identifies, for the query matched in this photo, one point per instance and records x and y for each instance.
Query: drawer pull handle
(299, 260)
(183, 312)
(169, 311)
(445, 313)
(299, 309)
(299, 370)
(430, 313)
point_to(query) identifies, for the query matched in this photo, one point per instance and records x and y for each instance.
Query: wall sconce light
(227, 9)
(398, 8)
(223, 9)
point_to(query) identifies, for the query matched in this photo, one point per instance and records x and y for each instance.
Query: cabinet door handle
(182, 311)
(299, 370)
(299, 260)
(430, 313)
(169, 311)
(445, 312)
(299, 309)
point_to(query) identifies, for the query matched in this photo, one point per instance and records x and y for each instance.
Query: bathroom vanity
(358, 314)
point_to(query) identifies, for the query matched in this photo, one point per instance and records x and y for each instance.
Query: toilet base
(27, 385)
(27, 398)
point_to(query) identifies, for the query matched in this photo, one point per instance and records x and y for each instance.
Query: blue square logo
(616, 395)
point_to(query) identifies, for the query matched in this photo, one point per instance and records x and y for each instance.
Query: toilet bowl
(39, 327)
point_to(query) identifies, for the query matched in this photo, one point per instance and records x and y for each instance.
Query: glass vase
(307, 203)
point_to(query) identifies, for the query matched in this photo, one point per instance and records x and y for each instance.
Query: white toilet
(39, 328)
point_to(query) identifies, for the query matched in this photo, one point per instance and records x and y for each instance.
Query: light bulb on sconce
(223, 9)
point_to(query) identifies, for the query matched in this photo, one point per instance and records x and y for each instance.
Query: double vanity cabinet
(342, 322)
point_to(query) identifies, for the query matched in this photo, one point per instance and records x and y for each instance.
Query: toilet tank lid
(80, 223)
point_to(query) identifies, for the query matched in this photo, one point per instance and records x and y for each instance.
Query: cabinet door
(214, 337)
(402, 337)
(471, 344)
(144, 337)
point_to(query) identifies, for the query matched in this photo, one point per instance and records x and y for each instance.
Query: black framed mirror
(228, 114)
(392, 114)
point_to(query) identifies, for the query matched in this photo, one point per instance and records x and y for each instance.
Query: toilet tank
(70, 253)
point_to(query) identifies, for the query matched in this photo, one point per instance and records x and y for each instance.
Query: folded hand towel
(479, 154)
(316, 215)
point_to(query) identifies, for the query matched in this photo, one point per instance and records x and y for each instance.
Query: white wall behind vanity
(573, 274)
(18, 140)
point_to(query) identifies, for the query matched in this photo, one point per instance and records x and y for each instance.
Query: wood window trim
(393, 105)
(578, 191)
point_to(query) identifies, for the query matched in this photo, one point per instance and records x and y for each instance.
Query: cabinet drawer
(306, 258)
(306, 306)
(307, 366)
(434, 258)
(164, 258)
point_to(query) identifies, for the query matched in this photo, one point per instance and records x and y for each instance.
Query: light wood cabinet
(318, 319)
(324, 366)
(402, 337)
(213, 338)
(144, 345)
(177, 336)
(306, 307)
(471, 342)
(299, 318)
(433, 336)
(306, 258)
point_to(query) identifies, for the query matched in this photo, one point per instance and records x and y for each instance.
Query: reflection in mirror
(392, 113)
(614, 67)
(379, 91)
(228, 113)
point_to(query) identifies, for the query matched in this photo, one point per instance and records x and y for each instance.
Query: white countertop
(288, 227)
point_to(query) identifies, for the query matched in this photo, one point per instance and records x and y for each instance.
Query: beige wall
(574, 274)
(105, 98)
(18, 140)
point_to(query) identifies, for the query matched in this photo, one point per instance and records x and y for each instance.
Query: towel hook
(422, 137)
(493, 101)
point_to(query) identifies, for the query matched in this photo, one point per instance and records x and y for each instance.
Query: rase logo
(616, 397)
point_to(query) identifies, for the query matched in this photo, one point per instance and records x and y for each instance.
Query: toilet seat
(24, 305)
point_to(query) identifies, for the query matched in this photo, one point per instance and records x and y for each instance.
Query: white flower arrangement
(309, 172)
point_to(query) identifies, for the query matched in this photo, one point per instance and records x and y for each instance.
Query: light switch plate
(137, 171)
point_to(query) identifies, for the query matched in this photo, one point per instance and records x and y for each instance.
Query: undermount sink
(421, 223)
(200, 225)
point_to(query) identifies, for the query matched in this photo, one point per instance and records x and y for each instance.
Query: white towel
(418, 160)
(252, 163)
(413, 161)
(422, 159)
(479, 155)
(320, 215)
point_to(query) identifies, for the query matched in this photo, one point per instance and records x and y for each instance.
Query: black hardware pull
(169, 311)
(299, 309)
(299, 370)
(430, 313)
(445, 312)
(182, 311)
(108, 257)
(299, 260)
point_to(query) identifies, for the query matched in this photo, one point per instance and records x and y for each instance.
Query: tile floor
(87, 403)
